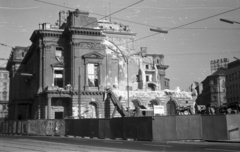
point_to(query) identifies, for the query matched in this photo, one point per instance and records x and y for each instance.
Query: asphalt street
(21, 143)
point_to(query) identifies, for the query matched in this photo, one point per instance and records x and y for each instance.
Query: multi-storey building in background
(233, 82)
(4, 93)
(214, 90)
(68, 67)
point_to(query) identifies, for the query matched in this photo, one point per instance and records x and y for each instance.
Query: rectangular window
(147, 66)
(58, 77)
(5, 86)
(147, 78)
(214, 98)
(93, 75)
(215, 82)
(59, 52)
(4, 97)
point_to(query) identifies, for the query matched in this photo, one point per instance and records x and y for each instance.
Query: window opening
(59, 52)
(93, 75)
(58, 77)
(147, 78)
(4, 86)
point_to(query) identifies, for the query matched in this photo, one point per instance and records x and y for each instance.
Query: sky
(188, 49)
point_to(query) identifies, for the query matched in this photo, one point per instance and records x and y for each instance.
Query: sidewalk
(204, 141)
(226, 141)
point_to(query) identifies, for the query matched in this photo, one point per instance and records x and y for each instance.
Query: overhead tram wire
(99, 14)
(198, 28)
(114, 12)
(198, 53)
(183, 25)
(205, 18)
(93, 13)
(104, 16)
(178, 27)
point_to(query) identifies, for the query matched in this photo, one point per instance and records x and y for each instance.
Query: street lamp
(236, 58)
(158, 30)
(229, 21)
(143, 52)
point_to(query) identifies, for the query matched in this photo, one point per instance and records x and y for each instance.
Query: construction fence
(158, 128)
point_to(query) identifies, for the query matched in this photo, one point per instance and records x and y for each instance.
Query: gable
(58, 64)
(93, 55)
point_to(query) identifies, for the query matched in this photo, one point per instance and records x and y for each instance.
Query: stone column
(49, 108)
(43, 66)
(100, 76)
(72, 65)
(86, 75)
(40, 89)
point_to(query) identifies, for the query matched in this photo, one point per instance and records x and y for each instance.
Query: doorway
(171, 108)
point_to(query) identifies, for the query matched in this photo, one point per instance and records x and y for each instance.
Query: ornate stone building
(4, 93)
(66, 70)
(214, 91)
(233, 82)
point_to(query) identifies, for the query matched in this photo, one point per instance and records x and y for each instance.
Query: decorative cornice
(89, 45)
(50, 34)
(164, 67)
(119, 33)
(90, 32)
(48, 46)
(75, 92)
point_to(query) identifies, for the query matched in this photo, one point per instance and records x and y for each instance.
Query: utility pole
(79, 95)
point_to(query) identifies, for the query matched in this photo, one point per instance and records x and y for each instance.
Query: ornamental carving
(51, 34)
(94, 46)
(84, 32)
(48, 46)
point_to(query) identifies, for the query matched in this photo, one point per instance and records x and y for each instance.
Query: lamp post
(229, 21)
(126, 59)
(159, 30)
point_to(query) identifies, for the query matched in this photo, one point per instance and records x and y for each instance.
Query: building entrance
(171, 108)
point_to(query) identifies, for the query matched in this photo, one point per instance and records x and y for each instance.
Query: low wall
(233, 126)
(164, 128)
(159, 128)
(35, 127)
(189, 127)
(99, 128)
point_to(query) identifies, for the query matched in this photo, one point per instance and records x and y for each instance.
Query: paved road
(70, 144)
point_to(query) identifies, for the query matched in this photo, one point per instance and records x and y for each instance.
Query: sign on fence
(158, 110)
